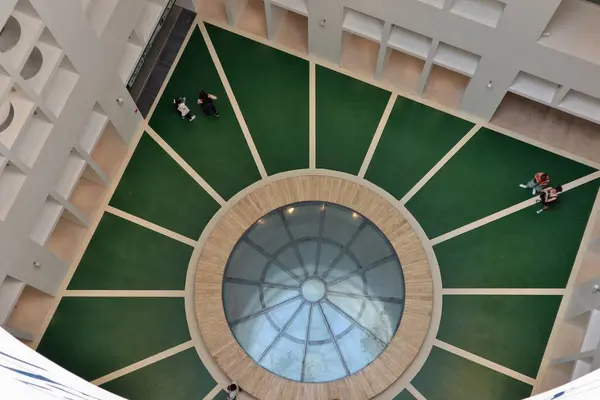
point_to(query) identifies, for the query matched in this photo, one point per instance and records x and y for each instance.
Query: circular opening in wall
(10, 34)
(313, 292)
(7, 113)
(33, 64)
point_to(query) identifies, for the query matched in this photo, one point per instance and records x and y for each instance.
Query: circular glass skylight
(313, 292)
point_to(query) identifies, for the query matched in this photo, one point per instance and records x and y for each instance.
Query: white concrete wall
(95, 60)
(510, 47)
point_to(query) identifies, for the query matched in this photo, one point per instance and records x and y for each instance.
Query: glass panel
(252, 344)
(337, 322)
(276, 275)
(342, 268)
(290, 260)
(318, 329)
(282, 314)
(354, 285)
(285, 359)
(297, 329)
(269, 233)
(386, 280)
(308, 251)
(340, 226)
(348, 319)
(304, 221)
(328, 254)
(358, 349)
(240, 300)
(322, 364)
(370, 246)
(245, 262)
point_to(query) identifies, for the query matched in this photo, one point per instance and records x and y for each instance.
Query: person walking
(183, 110)
(206, 103)
(537, 183)
(548, 197)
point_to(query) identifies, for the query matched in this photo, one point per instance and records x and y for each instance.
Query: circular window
(7, 114)
(33, 64)
(10, 34)
(313, 292)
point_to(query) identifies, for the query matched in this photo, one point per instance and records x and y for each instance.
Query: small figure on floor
(183, 109)
(206, 103)
(232, 391)
(538, 183)
(549, 196)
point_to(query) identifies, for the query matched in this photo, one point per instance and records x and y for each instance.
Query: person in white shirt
(183, 109)
(232, 391)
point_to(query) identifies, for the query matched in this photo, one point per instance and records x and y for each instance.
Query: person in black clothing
(549, 196)
(206, 103)
(232, 391)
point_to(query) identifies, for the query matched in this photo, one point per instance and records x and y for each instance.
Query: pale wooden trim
(225, 232)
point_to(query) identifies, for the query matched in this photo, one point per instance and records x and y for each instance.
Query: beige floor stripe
(186, 167)
(416, 394)
(170, 73)
(124, 293)
(151, 226)
(312, 115)
(377, 136)
(143, 363)
(510, 210)
(232, 100)
(505, 292)
(440, 164)
(213, 393)
(485, 362)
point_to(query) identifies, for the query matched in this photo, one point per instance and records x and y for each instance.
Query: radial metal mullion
(346, 247)
(294, 243)
(276, 339)
(335, 343)
(355, 322)
(394, 300)
(306, 339)
(263, 311)
(320, 238)
(249, 282)
(369, 267)
(272, 259)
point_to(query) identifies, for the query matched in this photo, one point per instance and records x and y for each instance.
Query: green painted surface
(179, 377)
(154, 187)
(404, 395)
(273, 99)
(126, 256)
(222, 395)
(509, 330)
(524, 249)
(92, 337)
(415, 138)
(483, 178)
(348, 112)
(214, 148)
(446, 376)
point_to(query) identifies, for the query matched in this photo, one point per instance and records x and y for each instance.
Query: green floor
(94, 336)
